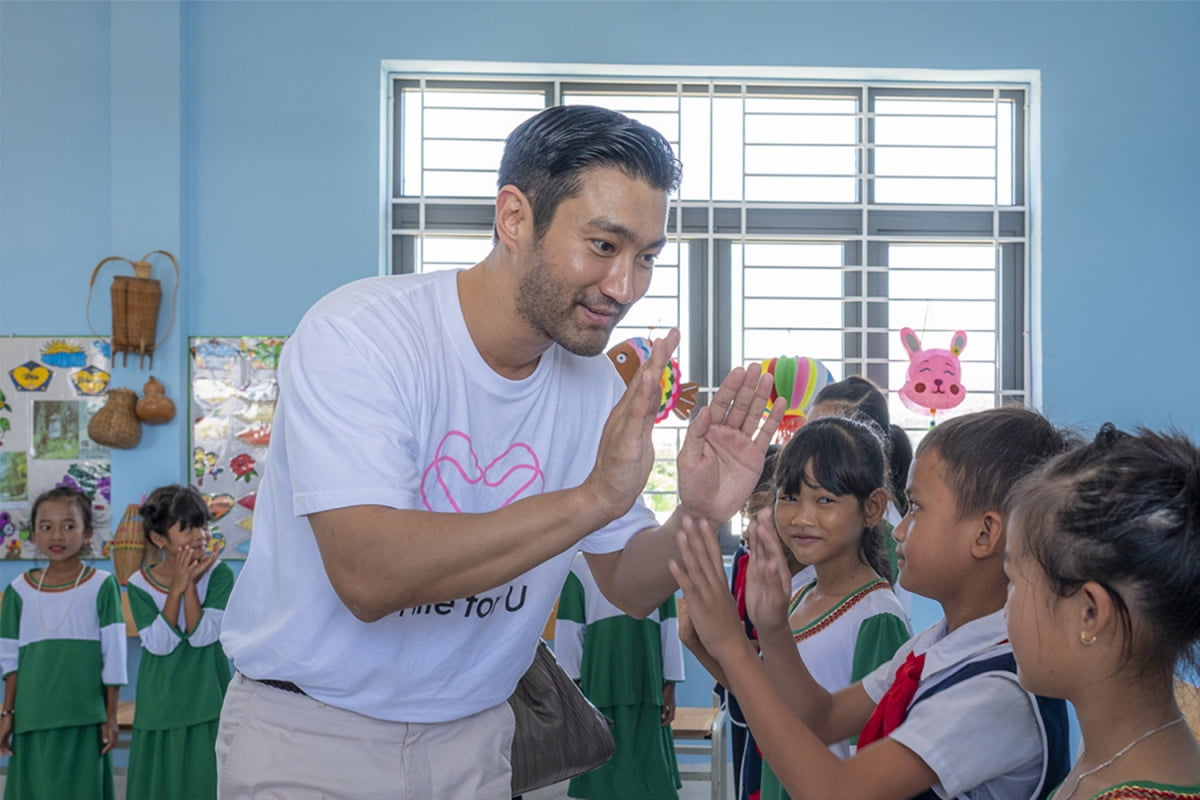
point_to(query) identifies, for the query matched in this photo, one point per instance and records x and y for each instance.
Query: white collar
(983, 636)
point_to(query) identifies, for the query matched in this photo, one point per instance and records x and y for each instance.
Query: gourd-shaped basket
(155, 408)
(116, 424)
(135, 308)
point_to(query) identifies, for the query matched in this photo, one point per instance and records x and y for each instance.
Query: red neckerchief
(893, 706)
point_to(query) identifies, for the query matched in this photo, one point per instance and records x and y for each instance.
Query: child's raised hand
(202, 565)
(181, 579)
(687, 631)
(701, 574)
(768, 581)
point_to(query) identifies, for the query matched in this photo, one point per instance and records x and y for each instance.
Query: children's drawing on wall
(49, 389)
(14, 477)
(232, 406)
(55, 429)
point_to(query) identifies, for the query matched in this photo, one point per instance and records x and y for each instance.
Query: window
(815, 218)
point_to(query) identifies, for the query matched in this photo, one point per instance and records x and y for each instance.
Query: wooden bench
(701, 731)
(125, 709)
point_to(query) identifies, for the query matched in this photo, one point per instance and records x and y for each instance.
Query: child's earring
(1087, 639)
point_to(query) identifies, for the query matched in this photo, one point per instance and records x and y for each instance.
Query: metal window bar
(712, 293)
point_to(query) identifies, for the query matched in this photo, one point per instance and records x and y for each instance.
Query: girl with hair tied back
(178, 604)
(1103, 558)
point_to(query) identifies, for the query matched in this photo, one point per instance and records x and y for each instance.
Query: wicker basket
(116, 425)
(135, 313)
(135, 308)
(129, 544)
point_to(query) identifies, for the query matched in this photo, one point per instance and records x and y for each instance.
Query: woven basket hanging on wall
(135, 303)
(116, 424)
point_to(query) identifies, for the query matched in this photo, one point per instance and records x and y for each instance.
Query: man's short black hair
(546, 156)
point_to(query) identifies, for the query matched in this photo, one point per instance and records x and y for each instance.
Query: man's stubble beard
(550, 309)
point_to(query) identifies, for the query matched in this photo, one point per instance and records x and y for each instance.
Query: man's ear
(989, 540)
(514, 217)
(874, 507)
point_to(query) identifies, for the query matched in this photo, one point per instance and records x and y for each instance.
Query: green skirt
(57, 763)
(644, 765)
(176, 763)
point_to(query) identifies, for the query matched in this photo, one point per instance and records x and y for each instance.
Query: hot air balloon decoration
(677, 396)
(797, 381)
(933, 382)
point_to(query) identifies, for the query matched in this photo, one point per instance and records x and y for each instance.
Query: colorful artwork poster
(234, 390)
(49, 390)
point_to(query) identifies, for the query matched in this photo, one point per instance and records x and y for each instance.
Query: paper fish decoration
(933, 382)
(211, 427)
(263, 354)
(257, 412)
(256, 435)
(212, 392)
(219, 504)
(797, 380)
(213, 348)
(676, 396)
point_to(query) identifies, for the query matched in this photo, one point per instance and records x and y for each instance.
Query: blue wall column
(146, 204)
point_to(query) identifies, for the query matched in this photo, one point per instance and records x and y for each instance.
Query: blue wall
(244, 136)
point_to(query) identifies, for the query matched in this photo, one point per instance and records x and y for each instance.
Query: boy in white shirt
(946, 718)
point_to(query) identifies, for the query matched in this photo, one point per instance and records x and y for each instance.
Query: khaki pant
(276, 745)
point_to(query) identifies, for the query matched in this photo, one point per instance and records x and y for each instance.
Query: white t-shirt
(385, 400)
(983, 737)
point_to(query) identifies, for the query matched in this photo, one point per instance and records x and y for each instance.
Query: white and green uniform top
(182, 676)
(66, 642)
(613, 668)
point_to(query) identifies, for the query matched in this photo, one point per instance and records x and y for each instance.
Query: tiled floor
(692, 790)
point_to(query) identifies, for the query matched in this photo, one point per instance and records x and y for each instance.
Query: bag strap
(174, 293)
(145, 264)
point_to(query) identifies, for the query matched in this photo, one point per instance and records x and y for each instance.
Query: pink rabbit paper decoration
(934, 379)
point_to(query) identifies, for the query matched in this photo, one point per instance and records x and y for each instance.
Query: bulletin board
(233, 394)
(49, 390)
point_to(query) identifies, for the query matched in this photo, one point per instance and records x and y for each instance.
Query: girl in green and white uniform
(628, 668)
(62, 653)
(177, 605)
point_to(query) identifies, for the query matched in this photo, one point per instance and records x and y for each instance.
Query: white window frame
(1028, 81)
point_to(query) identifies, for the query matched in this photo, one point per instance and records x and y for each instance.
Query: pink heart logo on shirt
(457, 473)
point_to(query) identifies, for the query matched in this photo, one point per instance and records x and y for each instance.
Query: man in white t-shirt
(440, 451)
